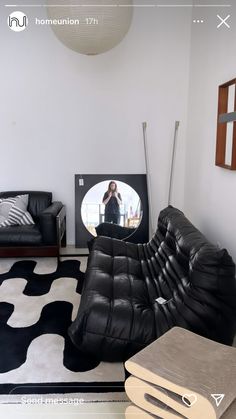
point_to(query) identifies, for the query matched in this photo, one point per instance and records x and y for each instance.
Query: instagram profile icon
(17, 21)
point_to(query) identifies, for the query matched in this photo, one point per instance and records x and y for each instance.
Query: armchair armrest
(61, 226)
(48, 223)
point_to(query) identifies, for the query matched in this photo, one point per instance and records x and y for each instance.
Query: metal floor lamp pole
(173, 161)
(144, 125)
(151, 230)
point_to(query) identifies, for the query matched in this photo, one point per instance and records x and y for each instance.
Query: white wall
(210, 198)
(63, 113)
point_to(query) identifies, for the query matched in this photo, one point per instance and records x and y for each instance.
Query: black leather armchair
(45, 237)
(134, 293)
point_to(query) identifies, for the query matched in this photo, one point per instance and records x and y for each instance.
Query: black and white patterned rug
(37, 356)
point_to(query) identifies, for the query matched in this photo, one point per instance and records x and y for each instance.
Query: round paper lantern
(90, 26)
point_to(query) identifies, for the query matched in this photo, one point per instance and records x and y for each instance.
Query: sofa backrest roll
(38, 200)
(206, 266)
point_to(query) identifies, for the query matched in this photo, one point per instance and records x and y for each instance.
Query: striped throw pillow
(13, 211)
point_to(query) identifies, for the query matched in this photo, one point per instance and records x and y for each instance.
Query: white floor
(110, 410)
(72, 250)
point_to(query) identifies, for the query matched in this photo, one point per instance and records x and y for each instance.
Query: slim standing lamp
(149, 190)
(173, 161)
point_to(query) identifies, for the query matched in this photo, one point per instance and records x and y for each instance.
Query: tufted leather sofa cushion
(114, 230)
(119, 314)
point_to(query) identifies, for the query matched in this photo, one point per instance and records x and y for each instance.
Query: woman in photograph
(112, 201)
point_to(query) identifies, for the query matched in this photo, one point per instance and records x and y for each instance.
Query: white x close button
(223, 21)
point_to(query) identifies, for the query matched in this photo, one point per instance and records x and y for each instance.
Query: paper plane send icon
(218, 398)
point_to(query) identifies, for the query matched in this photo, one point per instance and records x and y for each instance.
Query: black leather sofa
(121, 311)
(114, 230)
(45, 237)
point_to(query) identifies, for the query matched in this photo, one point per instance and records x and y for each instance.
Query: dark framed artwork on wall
(226, 126)
(131, 223)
